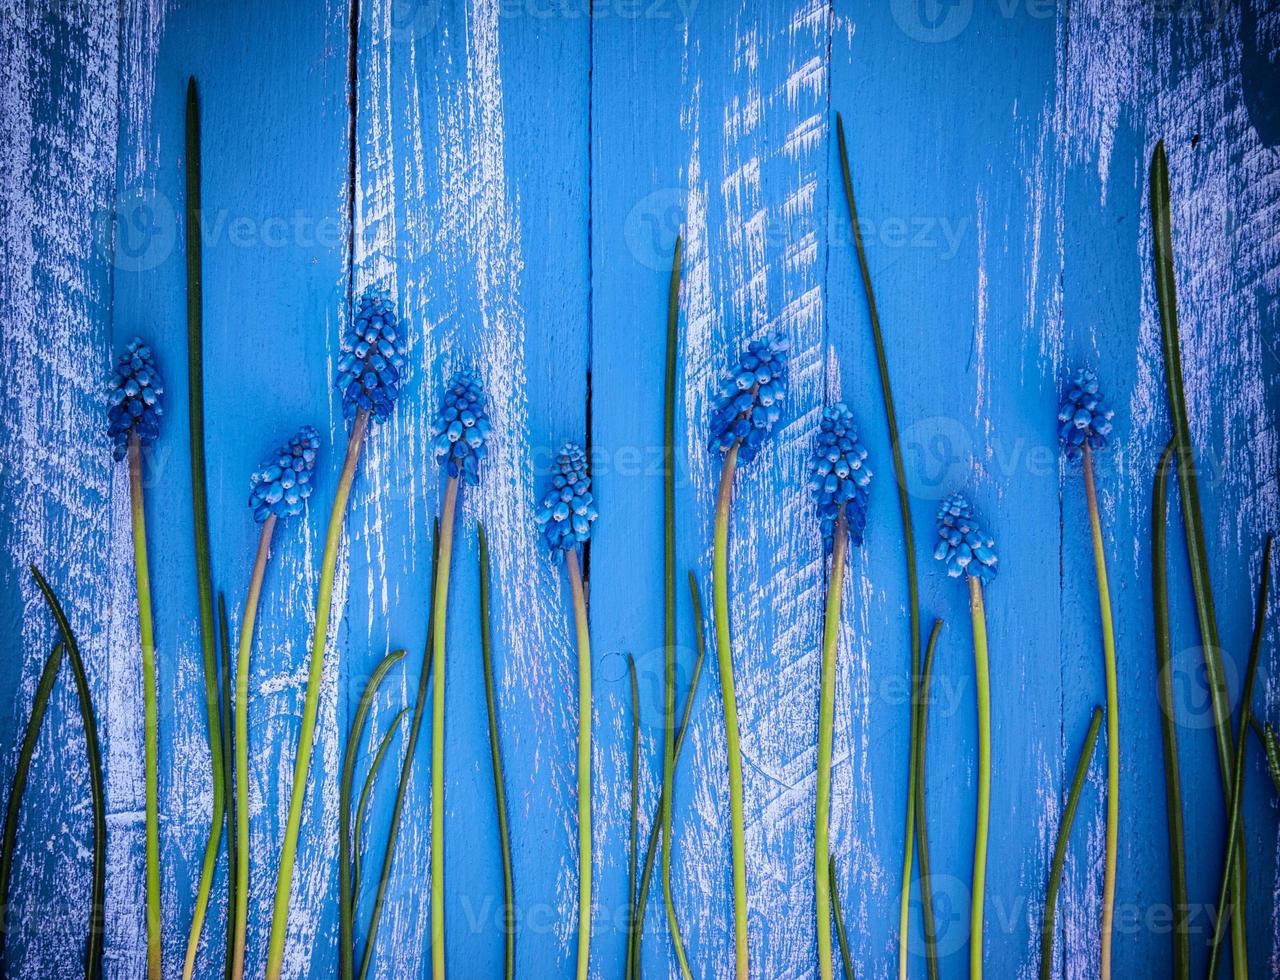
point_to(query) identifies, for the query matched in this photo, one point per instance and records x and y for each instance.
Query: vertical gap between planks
(587, 436)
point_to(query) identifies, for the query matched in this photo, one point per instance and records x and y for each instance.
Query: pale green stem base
(306, 737)
(1113, 717)
(439, 613)
(982, 675)
(584, 763)
(826, 721)
(150, 723)
(720, 574)
(241, 721)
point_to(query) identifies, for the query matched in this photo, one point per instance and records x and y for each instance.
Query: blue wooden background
(520, 173)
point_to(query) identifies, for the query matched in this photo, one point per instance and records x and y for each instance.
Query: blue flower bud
(372, 358)
(838, 474)
(285, 479)
(133, 398)
(751, 398)
(963, 546)
(568, 509)
(1083, 416)
(462, 427)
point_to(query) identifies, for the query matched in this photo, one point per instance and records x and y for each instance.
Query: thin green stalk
(584, 763)
(311, 703)
(846, 961)
(1234, 828)
(346, 881)
(635, 816)
(406, 768)
(908, 535)
(720, 566)
(826, 722)
(243, 650)
(982, 672)
(651, 850)
(1113, 714)
(150, 724)
(1060, 848)
(93, 758)
(1193, 522)
(495, 753)
(362, 806)
(440, 602)
(1168, 721)
(228, 780)
(922, 824)
(39, 703)
(200, 523)
(1270, 747)
(669, 606)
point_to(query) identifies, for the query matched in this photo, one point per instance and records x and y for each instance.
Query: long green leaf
(846, 960)
(1169, 723)
(1060, 848)
(362, 805)
(1193, 522)
(1271, 747)
(98, 889)
(908, 537)
(346, 928)
(922, 825)
(635, 817)
(229, 777)
(39, 703)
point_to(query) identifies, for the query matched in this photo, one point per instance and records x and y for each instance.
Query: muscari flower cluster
(963, 546)
(372, 358)
(1083, 416)
(282, 484)
(133, 398)
(568, 509)
(462, 426)
(838, 475)
(751, 399)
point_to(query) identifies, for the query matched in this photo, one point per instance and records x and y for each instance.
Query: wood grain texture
(515, 173)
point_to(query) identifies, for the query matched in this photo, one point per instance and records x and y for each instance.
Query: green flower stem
(150, 724)
(406, 769)
(346, 882)
(362, 806)
(243, 649)
(311, 703)
(1168, 722)
(826, 722)
(495, 753)
(1193, 522)
(228, 780)
(642, 895)
(1113, 715)
(1270, 747)
(846, 961)
(908, 535)
(93, 757)
(39, 703)
(440, 609)
(1060, 848)
(669, 608)
(1226, 910)
(724, 650)
(922, 825)
(635, 816)
(982, 674)
(200, 524)
(584, 763)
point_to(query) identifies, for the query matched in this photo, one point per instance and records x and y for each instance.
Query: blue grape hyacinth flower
(963, 546)
(133, 398)
(284, 481)
(838, 474)
(568, 509)
(462, 426)
(1083, 416)
(751, 398)
(372, 358)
